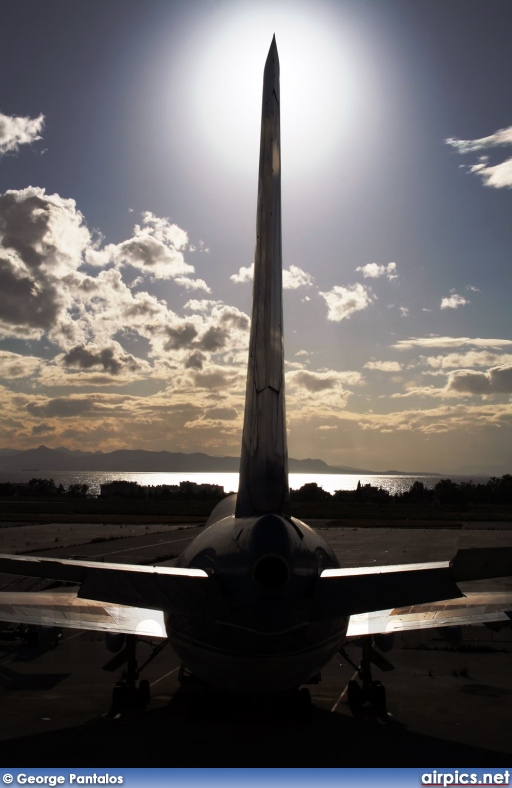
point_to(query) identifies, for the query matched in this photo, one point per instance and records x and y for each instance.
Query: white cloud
(16, 131)
(156, 248)
(203, 305)
(472, 358)
(343, 302)
(498, 176)
(455, 342)
(192, 284)
(404, 311)
(384, 366)
(501, 137)
(453, 301)
(373, 270)
(293, 277)
(243, 275)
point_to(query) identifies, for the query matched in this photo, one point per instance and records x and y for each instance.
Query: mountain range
(45, 460)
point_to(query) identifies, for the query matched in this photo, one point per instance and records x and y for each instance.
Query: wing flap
(475, 608)
(67, 610)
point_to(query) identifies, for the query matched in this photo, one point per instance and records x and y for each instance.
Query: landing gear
(127, 694)
(367, 698)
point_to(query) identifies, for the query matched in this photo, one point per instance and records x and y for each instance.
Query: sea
(330, 482)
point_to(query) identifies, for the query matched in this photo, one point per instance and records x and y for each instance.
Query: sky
(129, 143)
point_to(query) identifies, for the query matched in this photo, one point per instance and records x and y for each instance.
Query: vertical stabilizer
(264, 461)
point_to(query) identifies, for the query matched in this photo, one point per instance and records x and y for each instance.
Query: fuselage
(258, 631)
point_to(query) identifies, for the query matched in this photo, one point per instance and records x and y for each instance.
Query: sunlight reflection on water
(330, 482)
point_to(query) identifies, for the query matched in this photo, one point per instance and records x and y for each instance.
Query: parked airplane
(257, 602)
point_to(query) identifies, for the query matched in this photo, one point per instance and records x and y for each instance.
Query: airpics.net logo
(456, 778)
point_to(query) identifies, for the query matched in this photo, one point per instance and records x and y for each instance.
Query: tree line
(445, 492)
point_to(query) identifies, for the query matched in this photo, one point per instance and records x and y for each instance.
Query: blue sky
(129, 138)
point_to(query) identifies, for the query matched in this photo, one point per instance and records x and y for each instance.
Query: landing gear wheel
(303, 701)
(119, 694)
(143, 694)
(377, 698)
(354, 697)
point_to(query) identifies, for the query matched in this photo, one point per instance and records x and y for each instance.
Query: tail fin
(263, 483)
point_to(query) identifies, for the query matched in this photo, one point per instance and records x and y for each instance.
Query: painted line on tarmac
(163, 677)
(77, 635)
(344, 691)
(143, 547)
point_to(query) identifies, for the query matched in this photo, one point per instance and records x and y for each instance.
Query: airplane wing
(474, 608)
(67, 610)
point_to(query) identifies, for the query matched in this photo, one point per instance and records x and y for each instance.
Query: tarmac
(448, 706)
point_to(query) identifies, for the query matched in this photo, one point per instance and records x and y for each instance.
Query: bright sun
(317, 86)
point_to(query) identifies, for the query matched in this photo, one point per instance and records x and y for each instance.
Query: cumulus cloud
(202, 305)
(14, 365)
(156, 247)
(455, 342)
(42, 241)
(16, 131)
(293, 277)
(497, 176)
(112, 359)
(343, 302)
(245, 274)
(497, 380)
(472, 358)
(61, 407)
(384, 366)
(373, 270)
(453, 301)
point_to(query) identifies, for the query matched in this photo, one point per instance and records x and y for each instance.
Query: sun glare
(317, 86)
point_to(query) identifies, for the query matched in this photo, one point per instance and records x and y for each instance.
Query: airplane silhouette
(257, 602)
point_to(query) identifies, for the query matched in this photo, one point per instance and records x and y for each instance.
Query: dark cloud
(60, 407)
(83, 358)
(24, 225)
(42, 429)
(313, 382)
(214, 339)
(211, 380)
(195, 360)
(497, 380)
(222, 414)
(235, 318)
(25, 302)
(180, 337)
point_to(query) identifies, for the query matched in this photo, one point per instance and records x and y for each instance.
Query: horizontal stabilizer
(345, 592)
(482, 563)
(67, 610)
(159, 587)
(349, 592)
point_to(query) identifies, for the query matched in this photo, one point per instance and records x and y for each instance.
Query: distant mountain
(44, 460)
